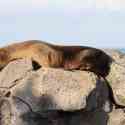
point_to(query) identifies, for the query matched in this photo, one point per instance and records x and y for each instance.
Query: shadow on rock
(95, 112)
(26, 112)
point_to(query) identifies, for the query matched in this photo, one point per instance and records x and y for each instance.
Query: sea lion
(67, 57)
(49, 55)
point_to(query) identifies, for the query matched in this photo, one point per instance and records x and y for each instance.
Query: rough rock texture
(49, 88)
(116, 80)
(24, 90)
(116, 76)
(117, 117)
(50, 96)
(118, 56)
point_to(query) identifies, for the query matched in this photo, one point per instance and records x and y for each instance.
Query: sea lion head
(95, 60)
(90, 59)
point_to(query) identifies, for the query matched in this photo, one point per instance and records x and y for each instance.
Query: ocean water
(122, 50)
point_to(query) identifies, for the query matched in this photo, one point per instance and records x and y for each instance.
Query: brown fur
(48, 55)
(90, 59)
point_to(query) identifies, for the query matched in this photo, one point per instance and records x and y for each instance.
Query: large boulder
(25, 90)
(116, 77)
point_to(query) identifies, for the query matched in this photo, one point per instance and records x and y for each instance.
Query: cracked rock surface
(116, 76)
(49, 96)
(47, 88)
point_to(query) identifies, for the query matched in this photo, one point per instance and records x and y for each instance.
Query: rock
(15, 71)
(50, 88)
(118, 56)
(116, 79)
(35, 94)
(116, 76)
(117, 117)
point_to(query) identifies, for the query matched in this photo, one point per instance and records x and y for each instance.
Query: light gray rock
(117, 117)
(32, 93)
(118, 56)
(50, 88)
(15, 71)
(116, 76)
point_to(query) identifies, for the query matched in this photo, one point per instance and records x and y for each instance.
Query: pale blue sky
(98, 23)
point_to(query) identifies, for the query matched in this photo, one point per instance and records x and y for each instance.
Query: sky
(97, 23)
